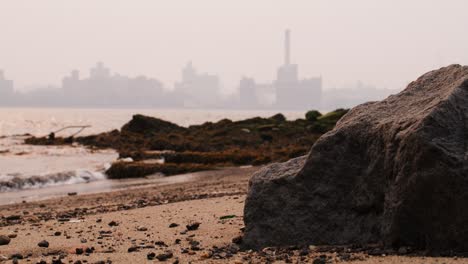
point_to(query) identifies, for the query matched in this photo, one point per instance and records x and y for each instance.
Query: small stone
(4, 240)
(113, 223)
(72, 193)
(12, 235)
(151, 256)
(58, 233)
(142, 228)
(132, 249)
(193, 226)
(173, 225)
(160, 243)
(79, 251)
(43, 243)
(13, 217)
(164, 256)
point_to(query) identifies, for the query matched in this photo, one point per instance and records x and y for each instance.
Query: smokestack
(287, 47)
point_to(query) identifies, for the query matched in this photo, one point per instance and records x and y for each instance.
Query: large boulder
(393, 172)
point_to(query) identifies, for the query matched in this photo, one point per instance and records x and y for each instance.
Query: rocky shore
(148, 145)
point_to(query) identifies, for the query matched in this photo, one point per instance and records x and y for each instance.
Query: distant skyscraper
(198, 90)
(6, 88)
(248, 93)
(292, 93)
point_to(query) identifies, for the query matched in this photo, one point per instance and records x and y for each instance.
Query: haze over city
(382, 43)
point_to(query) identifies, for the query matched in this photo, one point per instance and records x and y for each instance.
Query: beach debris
(43, 243)
(227, 217)
(81, 128)
(4, 240)
(142, 228)
(193, 226)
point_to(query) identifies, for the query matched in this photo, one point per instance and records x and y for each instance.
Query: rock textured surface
(393, 172)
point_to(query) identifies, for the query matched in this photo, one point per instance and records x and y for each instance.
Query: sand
(109, 225)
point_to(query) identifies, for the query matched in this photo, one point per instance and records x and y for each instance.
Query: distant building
(6, 89)
(198, 90)
(105, 89)
(248, 93)
(292, 93)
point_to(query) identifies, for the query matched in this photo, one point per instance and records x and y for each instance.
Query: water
(33, 170)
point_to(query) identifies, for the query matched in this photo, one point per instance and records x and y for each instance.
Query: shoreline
(148, 221)
(110, 185)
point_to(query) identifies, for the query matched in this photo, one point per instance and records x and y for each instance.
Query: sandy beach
(149, 223)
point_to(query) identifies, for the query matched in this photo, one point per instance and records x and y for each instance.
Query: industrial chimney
(287, 47)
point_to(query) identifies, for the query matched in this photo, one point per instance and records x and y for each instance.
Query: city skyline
(102, 88)
(379, 43)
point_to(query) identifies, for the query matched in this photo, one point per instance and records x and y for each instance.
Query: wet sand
(133, 225)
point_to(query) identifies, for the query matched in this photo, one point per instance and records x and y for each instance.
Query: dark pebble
(43, 243)
(193, 226)
(164, 256)
(4, 240)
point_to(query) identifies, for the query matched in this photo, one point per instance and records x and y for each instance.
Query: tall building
(197, 89)
(248, 93)
(6, 88)
(291, 92)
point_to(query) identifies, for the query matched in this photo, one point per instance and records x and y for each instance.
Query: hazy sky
(385, 43)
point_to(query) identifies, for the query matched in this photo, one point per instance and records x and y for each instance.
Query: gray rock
(392, 172)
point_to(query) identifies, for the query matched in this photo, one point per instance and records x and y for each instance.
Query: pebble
(43, 243)
(151, 256)
(173, 225)
(193, 226)
(4, 240)
(164, 256)
(132, 249)
(113, 223)
(142, 228)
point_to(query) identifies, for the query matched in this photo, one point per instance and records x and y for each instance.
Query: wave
(19, 182)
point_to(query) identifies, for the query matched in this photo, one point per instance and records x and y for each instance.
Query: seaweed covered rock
(144, 124)
(393, 172)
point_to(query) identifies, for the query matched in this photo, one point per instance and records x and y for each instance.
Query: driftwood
(81, 128)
